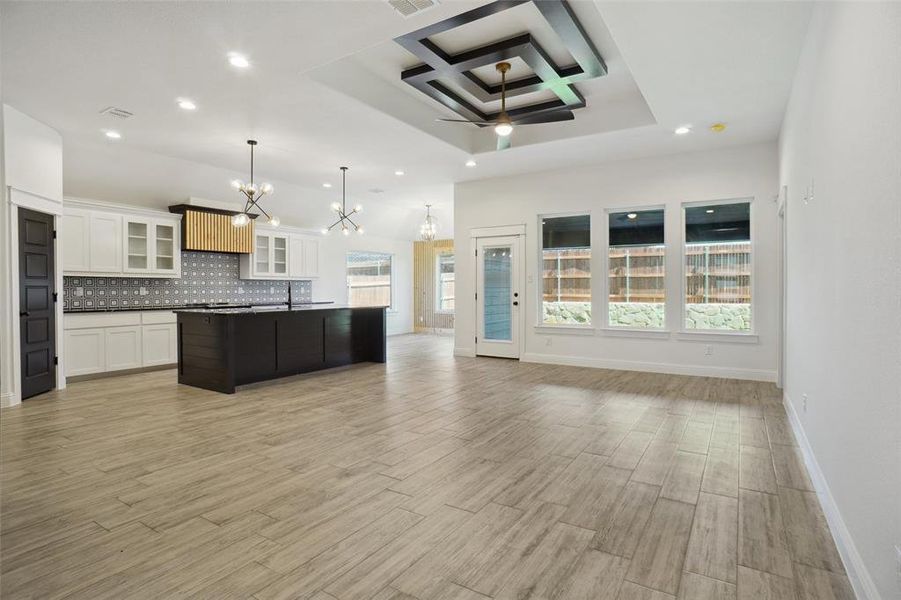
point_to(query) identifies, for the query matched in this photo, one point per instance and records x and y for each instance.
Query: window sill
(729, 337)
(657, 334)
(444, 312)
(566, 329)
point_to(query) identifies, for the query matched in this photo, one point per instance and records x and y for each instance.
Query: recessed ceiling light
(682, 130)
(398, 173)
(186, 104)
(113, 135)
(238, 60)
(632, 215)
(709, 211)
(326, 185)
(470, 163)
(718, 127)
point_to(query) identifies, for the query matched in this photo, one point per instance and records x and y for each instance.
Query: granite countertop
(254, 310)
(194, 308)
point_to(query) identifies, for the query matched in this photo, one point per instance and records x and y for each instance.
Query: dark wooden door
(37, 298)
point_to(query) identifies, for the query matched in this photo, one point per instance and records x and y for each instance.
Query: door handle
(24, 313)
(515, 303)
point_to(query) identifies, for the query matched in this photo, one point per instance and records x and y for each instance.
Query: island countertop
(265, 308)
(222, 348)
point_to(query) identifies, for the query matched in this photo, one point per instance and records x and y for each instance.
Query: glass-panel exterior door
(498, 296)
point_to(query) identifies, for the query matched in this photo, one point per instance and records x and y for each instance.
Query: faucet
(289, 295)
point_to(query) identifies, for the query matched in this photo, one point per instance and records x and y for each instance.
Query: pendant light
(344, 217)
(428, 230)
(252, 194)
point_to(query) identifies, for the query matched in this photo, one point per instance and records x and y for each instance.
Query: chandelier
(252, 194)
(340, 209)
(428, 230)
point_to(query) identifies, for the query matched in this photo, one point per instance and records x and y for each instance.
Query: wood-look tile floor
(430, 477)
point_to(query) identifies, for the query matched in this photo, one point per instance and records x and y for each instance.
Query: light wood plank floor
(430, 477)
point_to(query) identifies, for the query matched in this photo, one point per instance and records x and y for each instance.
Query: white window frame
(391, 287)
(539, 276)
(718, 334)
(606, 327)
(438, 309)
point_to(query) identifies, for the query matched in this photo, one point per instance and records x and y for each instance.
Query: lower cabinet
(85, 351)
(103, 342)
(159, 344)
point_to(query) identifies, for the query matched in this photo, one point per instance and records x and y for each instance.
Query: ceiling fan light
(503, 128)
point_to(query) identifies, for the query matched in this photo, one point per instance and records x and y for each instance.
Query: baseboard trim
(628, 365)
(465, 352)
(9, 399)
(119, 373)
(858, 575)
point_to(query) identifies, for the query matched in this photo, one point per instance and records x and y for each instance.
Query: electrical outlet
(708, 350)
(79, 292)
(804, 402)
(144, 291)
(548, 340)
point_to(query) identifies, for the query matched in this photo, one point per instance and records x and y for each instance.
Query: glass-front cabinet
(270, 255)
(151, 247)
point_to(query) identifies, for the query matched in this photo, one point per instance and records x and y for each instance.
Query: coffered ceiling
(324, 89)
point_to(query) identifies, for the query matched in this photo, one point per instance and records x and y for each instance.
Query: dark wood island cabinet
(219, 349)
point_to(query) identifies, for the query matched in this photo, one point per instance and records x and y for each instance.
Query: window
(445, 283)
(718, 266)
(566, 270)
(368, 279)
(635, 269)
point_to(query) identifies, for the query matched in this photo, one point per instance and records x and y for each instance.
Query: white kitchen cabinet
(151, 247)
(91, 241)
(271, 258)
(304, 257)
(100, 240)
(112, 341)
(75, 236)
(310, 258)
(123, 348)
(105, 243)
(159, 344)
(85, 351)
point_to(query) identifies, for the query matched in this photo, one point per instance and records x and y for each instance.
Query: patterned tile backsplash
(205, 277)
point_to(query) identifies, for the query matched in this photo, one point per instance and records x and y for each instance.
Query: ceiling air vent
(408, 8)
(119, 113)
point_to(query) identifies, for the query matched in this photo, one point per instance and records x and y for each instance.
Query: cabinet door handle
(24, 313)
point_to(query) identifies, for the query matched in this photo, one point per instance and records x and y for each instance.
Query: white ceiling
(324, 90)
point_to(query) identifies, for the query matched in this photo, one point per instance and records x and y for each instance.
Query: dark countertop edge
(115, 309)
(252, 311)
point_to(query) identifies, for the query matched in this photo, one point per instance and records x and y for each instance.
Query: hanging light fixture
(340, 209)
(428, 230)
(252, 193)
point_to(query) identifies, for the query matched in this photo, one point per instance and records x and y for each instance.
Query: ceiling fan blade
(465, 121)
(503, 142)
(549, 117)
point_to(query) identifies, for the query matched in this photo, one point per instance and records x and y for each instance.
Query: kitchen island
(221, 348)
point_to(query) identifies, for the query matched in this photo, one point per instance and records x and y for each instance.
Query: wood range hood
(210, 230)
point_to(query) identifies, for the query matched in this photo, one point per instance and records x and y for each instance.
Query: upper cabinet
(152, 247)
(281, 256)
(103, 241)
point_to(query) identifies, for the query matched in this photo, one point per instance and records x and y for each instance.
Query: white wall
(842, 134)
(739, 172)
(32, 178)
(332, 283)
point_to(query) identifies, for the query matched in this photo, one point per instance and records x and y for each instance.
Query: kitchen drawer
(158, 317)
(92, 320)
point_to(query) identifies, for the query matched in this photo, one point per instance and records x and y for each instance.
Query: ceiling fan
(504, 124)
